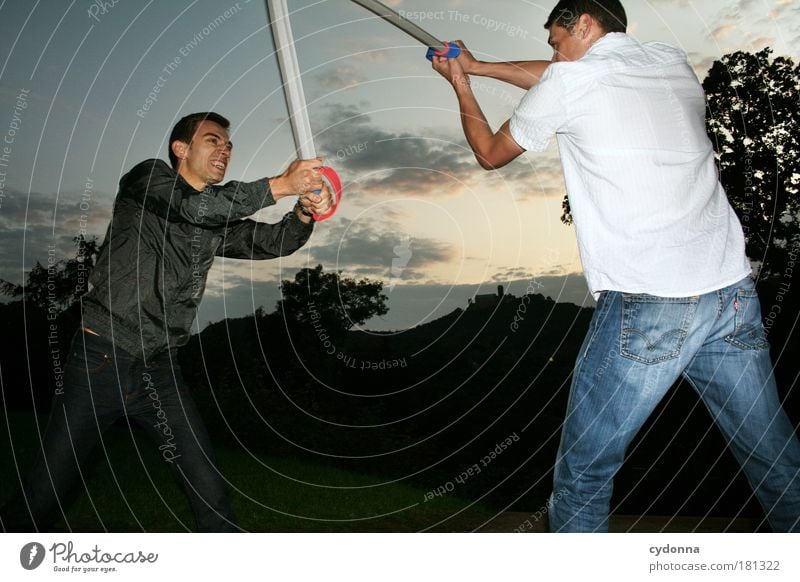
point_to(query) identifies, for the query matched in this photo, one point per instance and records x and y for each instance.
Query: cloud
(362, 249)
(341, 77)
(376, 54)
(516, 273)
(534, 176)
(388, 163)
(506, 274)
(759, 42)
(748, 27)
(382, 163)
(33, 224)
(723, 30)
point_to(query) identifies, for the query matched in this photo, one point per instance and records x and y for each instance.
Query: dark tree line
(754, 122)
(56, 286)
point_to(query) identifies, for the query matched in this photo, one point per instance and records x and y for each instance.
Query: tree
(753, 122)
(340, 302)
(566, 211)
(58, 285)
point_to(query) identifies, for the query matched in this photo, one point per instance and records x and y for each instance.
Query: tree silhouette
(53, 288)
(340, 302)
(753, 115)
(566, 211)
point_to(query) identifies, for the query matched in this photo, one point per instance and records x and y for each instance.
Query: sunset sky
(88, 89)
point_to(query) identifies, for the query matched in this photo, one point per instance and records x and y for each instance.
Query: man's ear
(179, 148)
(583, 28)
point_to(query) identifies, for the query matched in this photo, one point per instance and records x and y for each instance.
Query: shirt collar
(609, 42)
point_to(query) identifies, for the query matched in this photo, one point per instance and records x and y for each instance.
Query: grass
(129, 488)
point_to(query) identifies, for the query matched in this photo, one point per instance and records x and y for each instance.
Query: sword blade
(403, 24)
(289, 67)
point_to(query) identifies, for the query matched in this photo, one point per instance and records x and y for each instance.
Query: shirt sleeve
(248, 239)
(541, 113)
(159, 189)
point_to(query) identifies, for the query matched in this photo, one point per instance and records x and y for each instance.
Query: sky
(90, 88)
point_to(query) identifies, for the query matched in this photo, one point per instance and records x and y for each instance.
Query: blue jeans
(102, 384)
(636, 348)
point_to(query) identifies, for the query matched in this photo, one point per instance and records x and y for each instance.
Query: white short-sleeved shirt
(649, 211)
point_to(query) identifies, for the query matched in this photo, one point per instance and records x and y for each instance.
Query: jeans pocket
(654, 328)
(91, 355)
(748, 329)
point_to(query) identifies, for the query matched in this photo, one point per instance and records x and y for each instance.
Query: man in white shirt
(662, 250)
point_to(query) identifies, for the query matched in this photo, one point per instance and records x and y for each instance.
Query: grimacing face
(205, 160)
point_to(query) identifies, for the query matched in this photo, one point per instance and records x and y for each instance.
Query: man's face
(567, 46)
(206, 158)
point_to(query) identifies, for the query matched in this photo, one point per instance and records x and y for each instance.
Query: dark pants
(101, 385)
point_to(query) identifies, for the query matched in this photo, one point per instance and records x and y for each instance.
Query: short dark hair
(185, 128)
(609, 13)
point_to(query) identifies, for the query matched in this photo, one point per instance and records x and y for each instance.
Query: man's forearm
(523, 74)
(247, 239)
(476, 129)
(281, 186)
